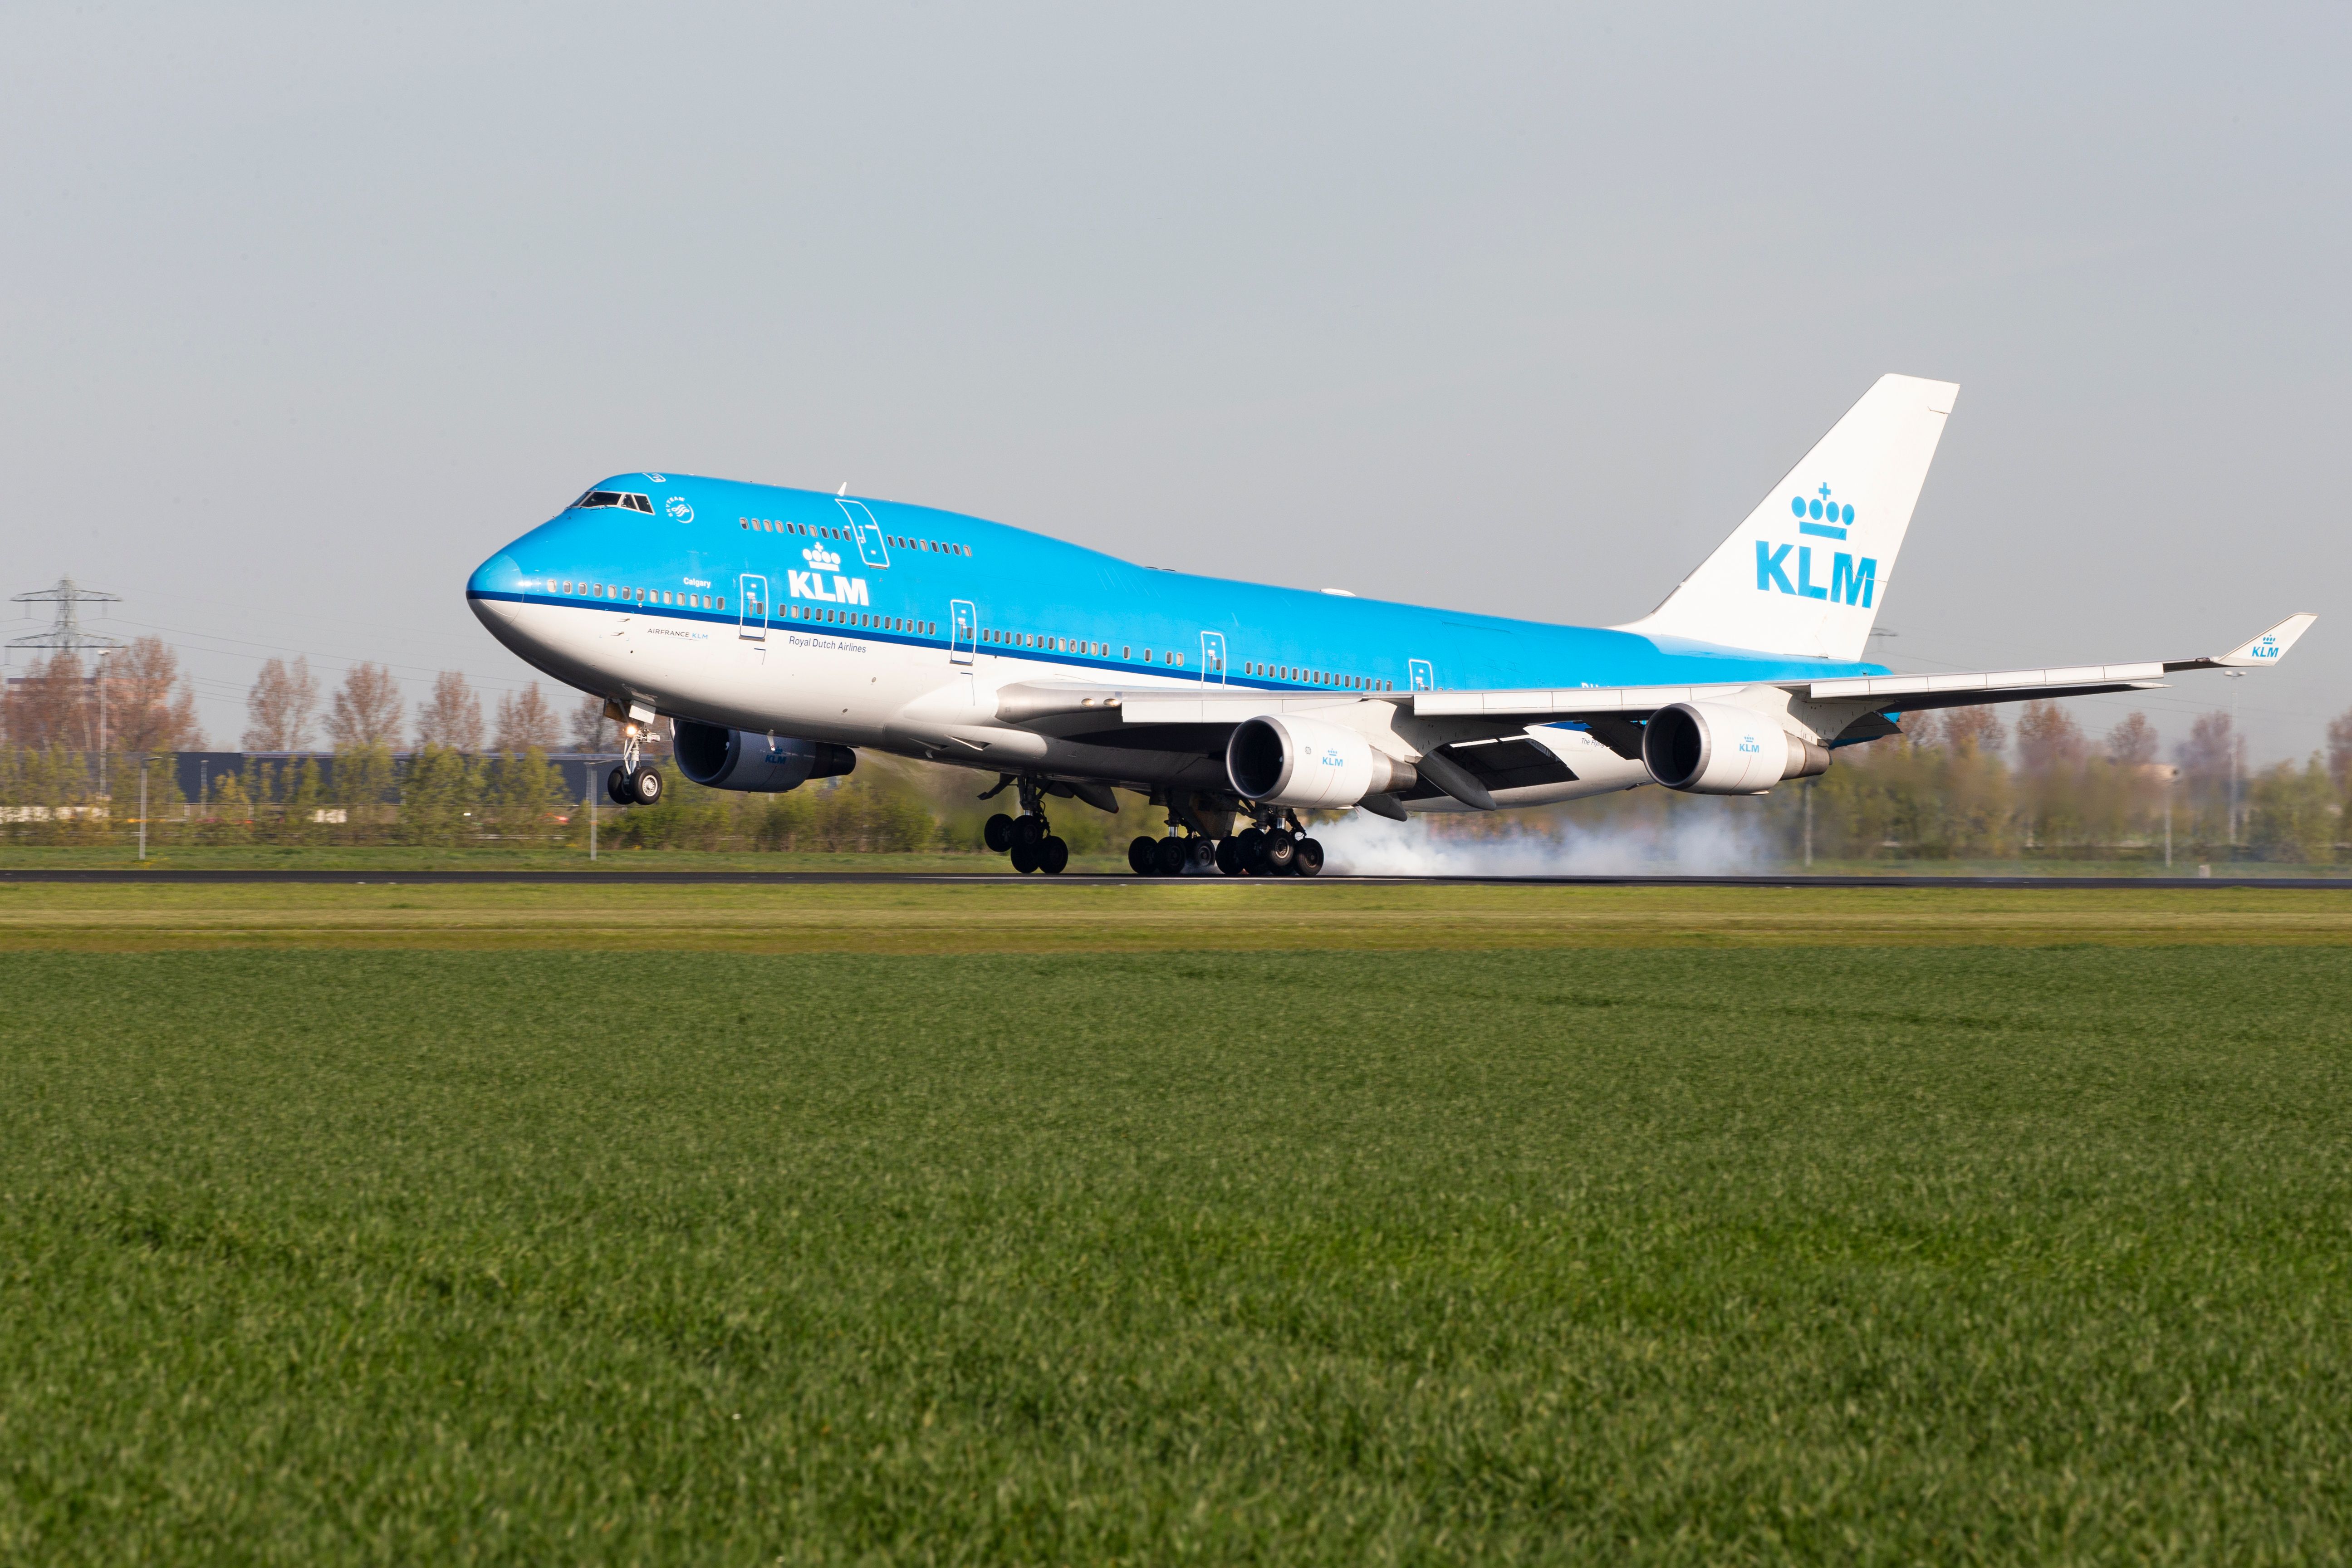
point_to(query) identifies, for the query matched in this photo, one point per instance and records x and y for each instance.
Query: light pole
(102, 724)
(2237, 754)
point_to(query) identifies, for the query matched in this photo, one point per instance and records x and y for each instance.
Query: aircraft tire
(1229, 856)
(1052, 856)
(617, 787)
(1171, 856)
(1310, 857)
(998, 834)
(1281, 852)
(1025, 858)
(646, 789)
(1027, 829)
(1143, 857)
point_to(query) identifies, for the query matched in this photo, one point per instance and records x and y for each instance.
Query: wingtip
(2271, 646)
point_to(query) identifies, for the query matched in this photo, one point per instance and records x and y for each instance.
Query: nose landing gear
(1027, 838)
(633, 783)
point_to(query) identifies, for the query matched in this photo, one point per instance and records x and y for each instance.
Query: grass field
(1278, 1223)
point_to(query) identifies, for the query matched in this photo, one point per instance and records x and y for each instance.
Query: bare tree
(2211, 753)
(525, 720)
(367, 709)
(151, 706)
(2131, 744)
(2048, 738)
(47, 705)
(1974, 729)
(591, 731)
(277, 710)
(2340, 749)
(454, 718)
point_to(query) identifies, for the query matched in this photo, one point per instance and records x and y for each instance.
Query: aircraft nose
(495, 589)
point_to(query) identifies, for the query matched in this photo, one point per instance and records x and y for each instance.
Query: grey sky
(304, 310)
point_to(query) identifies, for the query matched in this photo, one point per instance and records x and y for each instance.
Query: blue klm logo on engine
(1850, 583)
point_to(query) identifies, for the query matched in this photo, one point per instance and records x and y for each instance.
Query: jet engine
(1281, 760)
(1714, 748)
(736, 759)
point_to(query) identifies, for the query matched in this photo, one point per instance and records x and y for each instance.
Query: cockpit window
(615, 498)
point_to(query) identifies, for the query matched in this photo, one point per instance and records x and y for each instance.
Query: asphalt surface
(814, 879)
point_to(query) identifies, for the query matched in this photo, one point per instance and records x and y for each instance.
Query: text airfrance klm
(1849, 583)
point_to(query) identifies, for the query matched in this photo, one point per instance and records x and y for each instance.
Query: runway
(820, 878)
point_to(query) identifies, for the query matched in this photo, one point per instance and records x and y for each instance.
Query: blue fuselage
(713, 554)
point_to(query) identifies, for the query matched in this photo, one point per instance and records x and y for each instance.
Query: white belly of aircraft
(832, 683)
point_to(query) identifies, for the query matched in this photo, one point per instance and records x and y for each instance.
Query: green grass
(1932, 1253)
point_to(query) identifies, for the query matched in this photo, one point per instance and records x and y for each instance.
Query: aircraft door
(1213, 659)
(872, 548)
(1420, 677)
(752, 616)
(963, 621)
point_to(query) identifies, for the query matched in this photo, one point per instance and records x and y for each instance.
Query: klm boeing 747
(780, 630)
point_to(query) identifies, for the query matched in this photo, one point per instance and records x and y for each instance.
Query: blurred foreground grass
(1797, 1251)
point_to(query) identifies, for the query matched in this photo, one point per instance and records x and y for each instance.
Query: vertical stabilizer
(1808, 570)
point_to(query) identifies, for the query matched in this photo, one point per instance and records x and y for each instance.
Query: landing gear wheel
(1024, 857)
(1229, 856)
(1171, 855)
(617, 787)
(1143, 857)
(1203, 855)
(1027, 829)
(1052, 856)
(1310, 857)
(1281, 853)
(998, 834)
(646, 789)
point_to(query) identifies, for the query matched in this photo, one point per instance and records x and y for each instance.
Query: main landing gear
(1274, 846)
(633, 783)
(1027, 837)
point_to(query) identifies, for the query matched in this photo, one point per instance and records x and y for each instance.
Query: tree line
(1960, 785)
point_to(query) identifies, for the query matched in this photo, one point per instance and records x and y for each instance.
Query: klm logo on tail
(1850, 583)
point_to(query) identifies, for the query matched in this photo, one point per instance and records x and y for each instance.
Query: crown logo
(1819, 514)
(824, 560)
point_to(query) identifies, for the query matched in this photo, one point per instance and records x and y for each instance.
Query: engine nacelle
(1280, 760)
(1714, 748)
(721, 758)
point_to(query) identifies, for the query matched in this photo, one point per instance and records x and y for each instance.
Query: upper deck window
(615, 498)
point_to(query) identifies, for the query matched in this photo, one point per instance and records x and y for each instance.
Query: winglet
(2262, 652)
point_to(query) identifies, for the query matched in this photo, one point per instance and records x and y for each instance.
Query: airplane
(779, 631)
